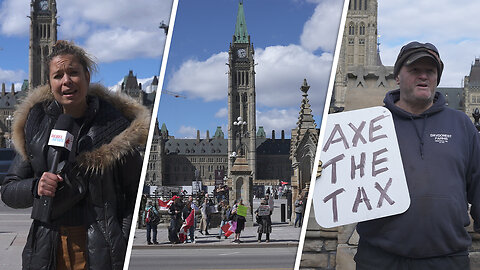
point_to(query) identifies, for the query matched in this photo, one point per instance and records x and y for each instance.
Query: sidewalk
(282, 235)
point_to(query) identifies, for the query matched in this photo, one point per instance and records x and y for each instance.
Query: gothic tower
(359, 44)
(43, 35)
(241, 94)
(303, 146)
(241, 113)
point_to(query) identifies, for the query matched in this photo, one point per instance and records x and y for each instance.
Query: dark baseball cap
(414, 51)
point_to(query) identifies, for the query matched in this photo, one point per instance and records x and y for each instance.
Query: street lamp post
(9, 119)
(240, 123)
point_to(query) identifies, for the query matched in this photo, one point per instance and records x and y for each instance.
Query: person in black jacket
(264, 220)
(175, 212)
(92, 232)
(440, 154)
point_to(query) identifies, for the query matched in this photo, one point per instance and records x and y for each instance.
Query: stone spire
(164, 131)
(305, 118)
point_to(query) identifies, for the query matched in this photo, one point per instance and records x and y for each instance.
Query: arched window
(362, 29)
(351, 29)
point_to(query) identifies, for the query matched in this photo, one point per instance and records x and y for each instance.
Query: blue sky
(293, 40)
(121, 36)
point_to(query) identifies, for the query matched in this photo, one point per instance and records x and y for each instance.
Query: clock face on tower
(242, 53)
(44, 5)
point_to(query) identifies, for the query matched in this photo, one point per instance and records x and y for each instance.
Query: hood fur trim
(106, 155)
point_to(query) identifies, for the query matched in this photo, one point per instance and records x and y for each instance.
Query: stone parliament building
(362, 81)
(242, 157)
(43, 35)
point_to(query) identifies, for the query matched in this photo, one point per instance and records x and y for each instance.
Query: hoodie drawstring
(420, 135)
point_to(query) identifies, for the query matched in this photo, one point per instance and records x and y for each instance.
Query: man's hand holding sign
(362, 177)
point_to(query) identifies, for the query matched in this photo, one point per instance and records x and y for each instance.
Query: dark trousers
(266, 238)
(369, 257)
(298, 219)
(150, 228)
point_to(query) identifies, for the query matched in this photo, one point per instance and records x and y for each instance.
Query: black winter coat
(106, 157)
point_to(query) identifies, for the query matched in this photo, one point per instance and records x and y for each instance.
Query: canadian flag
(166, 204)
(147, 216)
(229, 228)
(182, 235)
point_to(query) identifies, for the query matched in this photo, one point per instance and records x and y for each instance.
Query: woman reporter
(93, 197)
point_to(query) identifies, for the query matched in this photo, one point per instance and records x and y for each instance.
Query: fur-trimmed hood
(105, 155)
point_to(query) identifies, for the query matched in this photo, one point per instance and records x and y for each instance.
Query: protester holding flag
(188, 222)
(190, 207)
(175, 212)
(264, 220)
(151, 218)
(225, 211)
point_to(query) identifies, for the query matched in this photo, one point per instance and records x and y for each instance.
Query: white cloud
(280, 73)
(278, 120)
(13, 17)
(223, 112)
(186, 132)
(121, 44)
(112, 29)
(450, 25)
(118, 13)
(320, 31)
(202, 79)
(13, 76)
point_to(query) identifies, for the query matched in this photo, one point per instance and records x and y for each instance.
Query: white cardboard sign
(362, 176)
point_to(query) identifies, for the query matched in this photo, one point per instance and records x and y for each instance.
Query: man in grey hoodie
(441, 158)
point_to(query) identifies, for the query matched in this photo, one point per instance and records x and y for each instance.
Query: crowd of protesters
(184, 213)
(189, 214)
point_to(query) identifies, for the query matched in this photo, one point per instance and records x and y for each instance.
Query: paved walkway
(282, 235)
(15, 223)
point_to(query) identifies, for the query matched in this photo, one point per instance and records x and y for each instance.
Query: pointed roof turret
(241, 34)
(219, 133)
(474, 77)
(164, 131)
(305, 119)
(261, 132)
(156, 130)
(25, 85)
(130, 81)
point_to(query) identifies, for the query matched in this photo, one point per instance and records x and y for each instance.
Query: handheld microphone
(61, 141)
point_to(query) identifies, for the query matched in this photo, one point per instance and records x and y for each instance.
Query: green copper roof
(261, 132)
(219, 133)
(25, 85)
(164, 129)
(241, 34)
